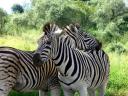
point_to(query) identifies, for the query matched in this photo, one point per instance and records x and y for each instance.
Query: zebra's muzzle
(37, 59)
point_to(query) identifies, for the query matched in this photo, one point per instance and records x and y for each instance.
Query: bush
(3, 21)
(117, 47)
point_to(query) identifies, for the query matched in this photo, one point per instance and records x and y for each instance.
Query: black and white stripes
(84, 40)
(18, 72)
(79, 70)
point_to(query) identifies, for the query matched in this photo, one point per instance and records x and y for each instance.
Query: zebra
(84, 40)
(79, 70)
(17, 72)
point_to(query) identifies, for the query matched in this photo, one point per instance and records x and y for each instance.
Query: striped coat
(79, 70)
(18, 72)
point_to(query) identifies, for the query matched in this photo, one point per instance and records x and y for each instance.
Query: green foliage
(118, 84)
(111, 11)
(17, 24)
(111, 32)
(16, 8)
(63, 12)
(117, 47)
(108, 18)
(3, 20)
(108, 10)
(14, 93)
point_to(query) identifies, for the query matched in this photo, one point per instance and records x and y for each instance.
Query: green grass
(24, 41)
(118, 82)
(14, 93)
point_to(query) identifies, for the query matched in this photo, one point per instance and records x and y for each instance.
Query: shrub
(3, 21)
(117, 47)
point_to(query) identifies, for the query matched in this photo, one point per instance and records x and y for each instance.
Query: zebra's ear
(74, 28)
(77, 25)
(79, 29)
(47, 28)
(51, 29)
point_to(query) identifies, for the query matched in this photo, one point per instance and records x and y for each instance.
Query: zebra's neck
(62, 55)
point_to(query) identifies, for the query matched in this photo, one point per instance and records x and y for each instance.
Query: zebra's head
(83, 40)
(42, 54)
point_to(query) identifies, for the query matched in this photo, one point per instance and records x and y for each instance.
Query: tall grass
(118, 81)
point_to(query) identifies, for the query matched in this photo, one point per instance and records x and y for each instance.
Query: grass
(118, 81)
(14, 93)
(24, 41)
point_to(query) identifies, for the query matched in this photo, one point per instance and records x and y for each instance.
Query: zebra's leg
(101, 90)
(91, 92)
(83, 91)
(43, 93)
(66, 89)
(7, 81)
(6, 87)
(68, 92)
(4, 91)
(56, 91)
